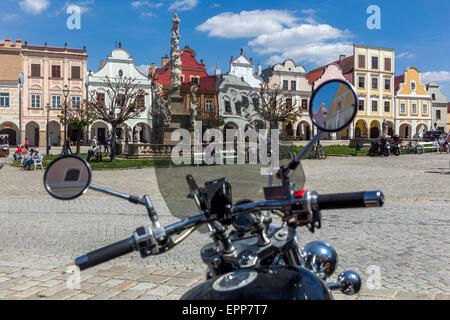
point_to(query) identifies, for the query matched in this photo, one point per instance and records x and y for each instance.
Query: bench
(429, 145)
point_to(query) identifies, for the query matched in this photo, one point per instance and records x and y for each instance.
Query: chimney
(18, 43)
(102, 63)
(7, 42)
(342, 56)
(164, 61)
(259, 70)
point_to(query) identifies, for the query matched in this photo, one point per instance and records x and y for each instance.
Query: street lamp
(48, 119)
(66, 94)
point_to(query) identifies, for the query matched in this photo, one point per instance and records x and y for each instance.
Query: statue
(175, 57)
(385, 127)
(194, 102)
(137, 136)
(162, 107)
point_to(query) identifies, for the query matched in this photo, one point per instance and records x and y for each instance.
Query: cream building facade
(373, 78)
(412, 105)
(11, 66)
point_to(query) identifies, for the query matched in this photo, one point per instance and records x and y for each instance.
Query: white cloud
(282, 35)
(148, 14)
(9, 17)
(301, 35)
(406, 55)
(183, 5)
(138, 4)
(438, 76)
(34, 6)
(315, 53)
(247, 23)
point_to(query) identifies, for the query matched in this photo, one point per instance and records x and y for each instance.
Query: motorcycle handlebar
(350, 200)
(104, 254)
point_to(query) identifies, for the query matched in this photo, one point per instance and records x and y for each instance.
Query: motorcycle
(395, 149)
(381, 147)
(249, 258)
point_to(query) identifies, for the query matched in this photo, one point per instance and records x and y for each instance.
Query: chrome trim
(373, 198)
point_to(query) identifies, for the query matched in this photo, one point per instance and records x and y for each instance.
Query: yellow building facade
(412, 105)
(373, 78)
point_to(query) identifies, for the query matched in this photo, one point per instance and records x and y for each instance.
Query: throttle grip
(350, 200)
(105, 254)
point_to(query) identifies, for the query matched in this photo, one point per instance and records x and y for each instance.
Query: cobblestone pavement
(407, 239)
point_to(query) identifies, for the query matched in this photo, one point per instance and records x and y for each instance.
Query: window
(414, 108)
(293, 85)
(285, 84)
(438, 114)
(374, 62)
(4, 99)
(36, 101)
(245, 101)
(413, 86)
(387, 84)
(195, 80)
(402, 108)
(361, 61)
(35, 70)
(76, 102)
(255, 103)
(120, 73)
(209, 105)
(425, 108)
(361, 105)
(56, 101)
(120, 100)
(228, 106)
(387, 106)
(76, 74)
(433, 96)
(101, 98)
(375, 83)
(387, 64)
(361, 82)
(289, 103)
(374, 106)
(305, 104)
(56, 71)
(140, 100)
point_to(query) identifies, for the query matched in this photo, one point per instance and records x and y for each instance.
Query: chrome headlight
(320, 258)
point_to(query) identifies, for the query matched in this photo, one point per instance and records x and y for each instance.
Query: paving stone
(161, 290)
(24, 285)
(123, 286)
(105, 295)
(81, 296)
(29, 292)
(413, 296)
(145, 286)
(154, 278)
(63, 294)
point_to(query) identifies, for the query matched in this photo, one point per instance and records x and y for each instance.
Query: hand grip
(105, 254)
(350, 200)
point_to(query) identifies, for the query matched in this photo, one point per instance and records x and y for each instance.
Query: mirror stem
(295, 162)
(117, 194)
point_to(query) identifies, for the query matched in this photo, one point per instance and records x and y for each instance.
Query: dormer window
(413, 86)
(120, 73)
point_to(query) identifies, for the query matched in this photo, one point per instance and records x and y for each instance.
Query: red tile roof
(346, 64)
(190, 67)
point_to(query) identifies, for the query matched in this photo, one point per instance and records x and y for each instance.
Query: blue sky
(311, 32)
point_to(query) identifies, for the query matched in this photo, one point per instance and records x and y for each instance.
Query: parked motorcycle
(249, 258)
(380, 147)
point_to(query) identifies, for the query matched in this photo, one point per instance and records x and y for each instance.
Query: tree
(210, 119)
(125, 101)
(276, 105)
(77, 118)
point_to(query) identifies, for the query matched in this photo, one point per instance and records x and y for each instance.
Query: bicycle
(318, 152)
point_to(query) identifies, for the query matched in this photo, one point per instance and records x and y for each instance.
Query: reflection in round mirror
(67, 177)
(333, 105)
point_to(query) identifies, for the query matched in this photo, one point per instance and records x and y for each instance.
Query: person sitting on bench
(94, 151)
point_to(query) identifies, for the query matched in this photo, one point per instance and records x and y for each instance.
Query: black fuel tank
(266, 283)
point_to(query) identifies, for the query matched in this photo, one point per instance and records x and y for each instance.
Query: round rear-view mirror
(67, 177)
(333, 105)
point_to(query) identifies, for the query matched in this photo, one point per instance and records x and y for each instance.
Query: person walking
(67, 146)
(27, 143)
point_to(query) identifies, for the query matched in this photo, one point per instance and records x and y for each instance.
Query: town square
(102, 133)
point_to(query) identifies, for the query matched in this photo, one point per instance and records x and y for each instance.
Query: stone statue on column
(137, 136)
(175, 57)
(194, 103)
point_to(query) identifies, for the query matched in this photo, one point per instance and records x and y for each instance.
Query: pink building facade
(46, 71)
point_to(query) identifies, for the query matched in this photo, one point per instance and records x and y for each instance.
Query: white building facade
(120, 64)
